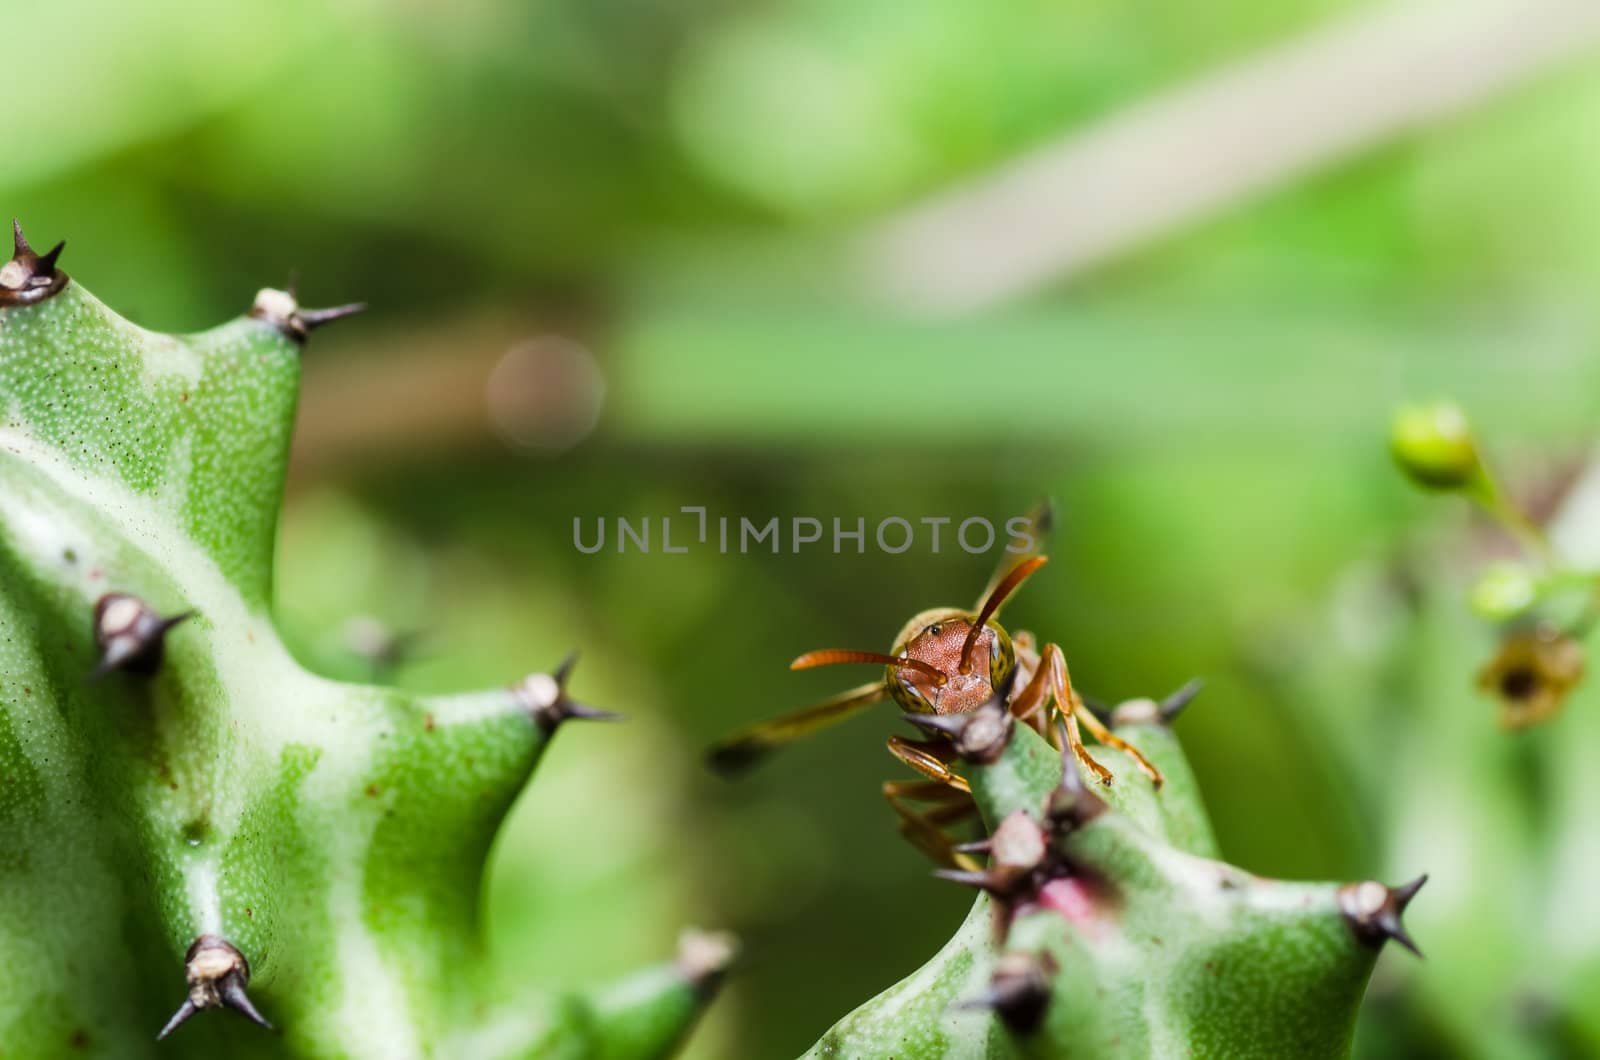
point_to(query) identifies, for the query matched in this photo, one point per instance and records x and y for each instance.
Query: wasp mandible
(948, 661)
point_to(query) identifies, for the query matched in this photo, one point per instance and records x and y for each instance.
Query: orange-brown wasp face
(938, 640)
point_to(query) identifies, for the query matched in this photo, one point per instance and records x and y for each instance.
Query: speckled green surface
(335, 833)
(1170, 954)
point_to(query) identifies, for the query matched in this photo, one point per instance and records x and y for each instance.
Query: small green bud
(1504, 591)
(1433, 444)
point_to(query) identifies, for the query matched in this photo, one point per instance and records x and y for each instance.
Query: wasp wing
(748, 746)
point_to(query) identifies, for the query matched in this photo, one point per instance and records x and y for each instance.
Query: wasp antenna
(830, 656)
(1007, 586)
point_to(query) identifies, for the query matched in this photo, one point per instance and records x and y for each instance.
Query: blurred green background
(612, 251)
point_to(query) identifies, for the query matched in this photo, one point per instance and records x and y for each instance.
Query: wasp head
(955, 677)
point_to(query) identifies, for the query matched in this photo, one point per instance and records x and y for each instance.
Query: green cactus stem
(191, 820)
(1105, 925)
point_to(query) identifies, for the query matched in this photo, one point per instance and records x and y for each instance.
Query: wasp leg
(1054, 663)
(1075, 742)
(927, 759)
(925, 828)
(1111, 739)
(1028, 704)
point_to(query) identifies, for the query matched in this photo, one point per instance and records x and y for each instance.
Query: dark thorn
(217, 974)
(1373, 911)
(982, 880)
(546, 701)
(28, 278)
(586, 713)
(1173, 705)
(564, 671)
(1071, 805)
(179, 1018)
(282, 311)
(950, 725)
(231, 990)
(1397, 931)
(1407, 891)
(1019, 991)
(46, 265)
(312, 319)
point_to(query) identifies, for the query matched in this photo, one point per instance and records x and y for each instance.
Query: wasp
(948, 661)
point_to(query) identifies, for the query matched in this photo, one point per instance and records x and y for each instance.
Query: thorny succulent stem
(1126, 937)
(335, 831)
